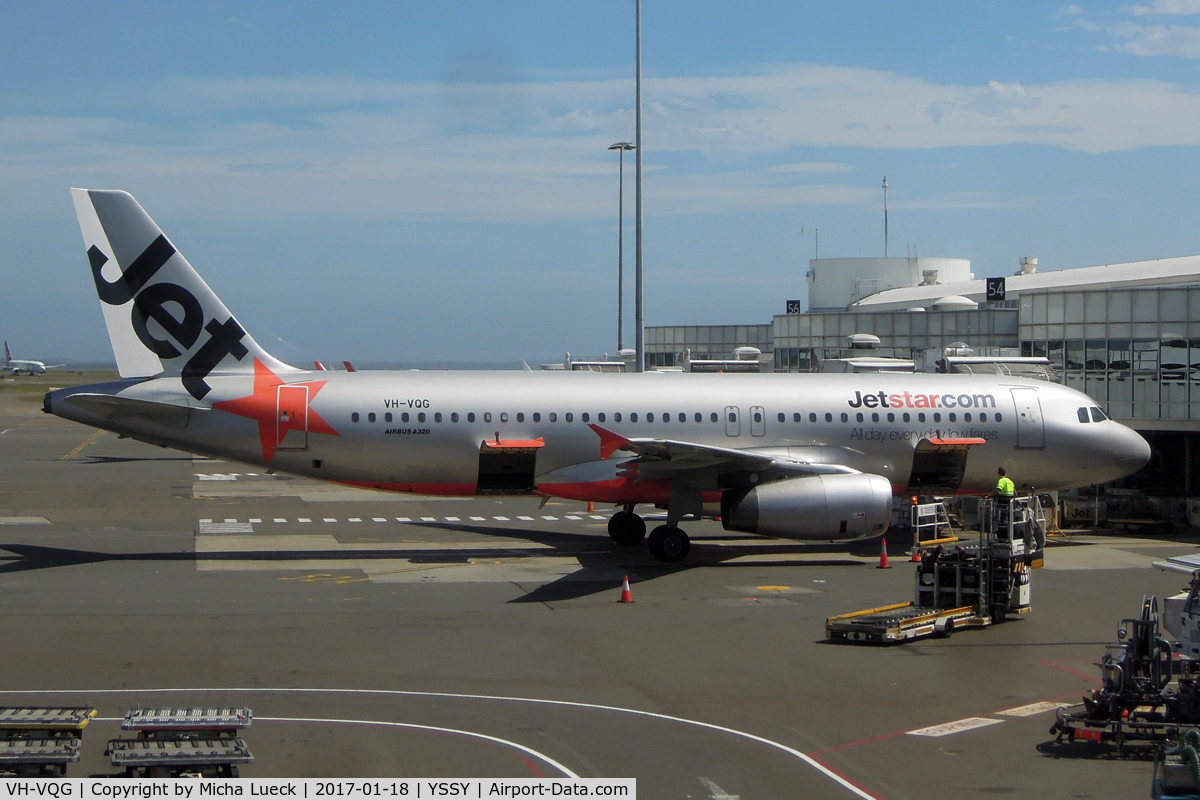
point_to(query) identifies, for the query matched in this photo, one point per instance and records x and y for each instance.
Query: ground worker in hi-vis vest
(1005, 487)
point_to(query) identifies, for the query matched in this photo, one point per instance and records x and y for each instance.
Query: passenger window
(600, 417)
(953, 417)
(667, 417)
(845, 417)
(387, 417)
(437, 417)
(699, 417)
(584, 416)
(998, 417)
(891, 417)
(758, 416)
(937, 417)
(537, 416)
(470, 416)
(812, 417)
(354, 417)
(1082, 414)
(682, 417)
(371, 417)
(487, 416)
(732, 417)
(569, 417)
(403, 417)
(617, 417)
(859, 416)
(453, 417)
(520, 416)
(650, 416)
(782, 417)
(875, 417)
(796, 417)
(967, 416)
(907, 417)
(714, 416)
(633, 417)
(828, 417)
(504, 416)
(553, 417)
(1098, 415)
(421, 417)
(920, 416)
(982, 417)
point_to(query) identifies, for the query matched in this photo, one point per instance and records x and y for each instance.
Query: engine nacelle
(816, 507)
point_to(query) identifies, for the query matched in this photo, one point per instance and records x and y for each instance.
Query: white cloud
(389, 149)
(1157, 40)
(1168, 7)
(1072, 10)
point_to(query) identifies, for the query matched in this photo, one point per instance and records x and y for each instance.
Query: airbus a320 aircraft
(16, 366)
(795, 456)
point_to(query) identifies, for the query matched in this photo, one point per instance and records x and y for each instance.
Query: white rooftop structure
(834, 283)
(1160, 272)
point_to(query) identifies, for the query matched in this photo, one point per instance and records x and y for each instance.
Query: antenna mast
(885, 219)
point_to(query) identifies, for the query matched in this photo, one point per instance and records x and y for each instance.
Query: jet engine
(814, 507)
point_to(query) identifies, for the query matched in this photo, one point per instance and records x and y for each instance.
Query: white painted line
(809, 760)
(597, 516)
(205, 520)
(452, 519)
(570, 516)
(715, 792)
(479, 519)
(252, 474)
(378, 519)
(280, 519)
(958, 726)
(1031, 709)
(254, 521)
(501, 519)
(428, 519)
(403, 519)
(354, 519)
(228, 526)
(547, 517)
(227, 519)
(526, 519)
(304, 519)
(329, 519)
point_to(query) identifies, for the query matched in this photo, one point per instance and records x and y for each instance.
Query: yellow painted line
(75, 452)
(772, 588)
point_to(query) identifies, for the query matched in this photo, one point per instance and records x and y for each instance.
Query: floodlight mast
(638, 302)
(621, 147)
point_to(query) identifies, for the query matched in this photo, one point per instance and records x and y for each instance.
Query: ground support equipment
(41, 742)
(963, 587)
(182, 742)
(1177, 769)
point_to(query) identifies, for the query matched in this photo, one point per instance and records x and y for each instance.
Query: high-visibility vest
(1005, 486)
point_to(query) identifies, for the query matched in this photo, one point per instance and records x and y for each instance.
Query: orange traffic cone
(916, 550)
(591, 507)
(626, 595)
(883, 559)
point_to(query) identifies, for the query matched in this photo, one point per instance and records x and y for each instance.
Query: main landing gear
(667, 542)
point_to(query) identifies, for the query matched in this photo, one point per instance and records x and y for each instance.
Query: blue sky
(410, 181)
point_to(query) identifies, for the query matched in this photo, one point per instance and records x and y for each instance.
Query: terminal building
(1126, 334)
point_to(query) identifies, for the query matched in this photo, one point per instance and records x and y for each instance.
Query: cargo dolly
(964, 587)
(182, 742)
(41, 742)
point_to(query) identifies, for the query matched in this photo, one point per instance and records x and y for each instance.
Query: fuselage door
(733, 424)
(1031, 430)
(291, 418)
(758, 421)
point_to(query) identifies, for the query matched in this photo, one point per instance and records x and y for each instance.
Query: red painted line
(848, 745)
(1048, 663)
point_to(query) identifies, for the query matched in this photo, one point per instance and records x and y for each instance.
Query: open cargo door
(939, 465)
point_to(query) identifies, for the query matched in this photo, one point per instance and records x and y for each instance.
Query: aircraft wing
(663, 457)
(115, 407)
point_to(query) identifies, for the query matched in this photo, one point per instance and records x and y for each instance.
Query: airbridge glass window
(371, 417)
(437, 417)
(387, 417)
(404, 417)
(354, 417)
(1082, 414)
(1098, 415)
(421, 417)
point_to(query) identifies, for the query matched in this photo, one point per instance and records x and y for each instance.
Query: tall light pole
(621, 147)
(885, 229)
(639, 310)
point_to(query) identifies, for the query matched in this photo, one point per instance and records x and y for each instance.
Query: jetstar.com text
(910, 400)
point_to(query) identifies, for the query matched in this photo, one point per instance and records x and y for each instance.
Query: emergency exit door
(733, 422)
(1031, 429)
(291, 418)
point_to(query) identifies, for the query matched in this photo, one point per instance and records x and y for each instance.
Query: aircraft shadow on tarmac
(1093, 751)
(599, 558)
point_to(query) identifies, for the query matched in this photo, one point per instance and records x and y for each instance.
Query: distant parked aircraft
(15, 366)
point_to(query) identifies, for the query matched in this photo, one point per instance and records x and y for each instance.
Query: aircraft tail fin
(162, 317)
(7, 355)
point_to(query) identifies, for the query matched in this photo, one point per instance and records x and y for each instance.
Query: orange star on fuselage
(263, 407)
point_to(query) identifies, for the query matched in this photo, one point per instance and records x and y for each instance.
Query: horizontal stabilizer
(114, 407)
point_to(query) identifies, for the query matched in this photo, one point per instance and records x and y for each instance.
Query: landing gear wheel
(669, 544)
(626, 528)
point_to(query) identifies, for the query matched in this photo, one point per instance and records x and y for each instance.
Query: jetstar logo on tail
(149, 303)
(263, 407)
(912, 400)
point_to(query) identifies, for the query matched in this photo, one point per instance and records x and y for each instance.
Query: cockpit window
(1098, 415)
(1082, 414)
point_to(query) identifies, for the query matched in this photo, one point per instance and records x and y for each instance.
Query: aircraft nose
(1134, 451)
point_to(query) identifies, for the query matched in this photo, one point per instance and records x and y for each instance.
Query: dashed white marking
(227, 519)
(251, 474)
(354, 519)
(479, 519)
(280, 519)
(254, 521)
(548, 517)
(452, 519)
(526, 519)
(428, 519)
(304, 519)
(228, 526)
(1031, 709)
(216, 476)
(571, 516)
(597, 516)
(378, 519)
(958, 726)
(403, 519)
(329, 519)
(716, 792)
(501, 519)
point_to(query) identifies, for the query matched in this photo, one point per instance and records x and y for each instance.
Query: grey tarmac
(482, 638)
